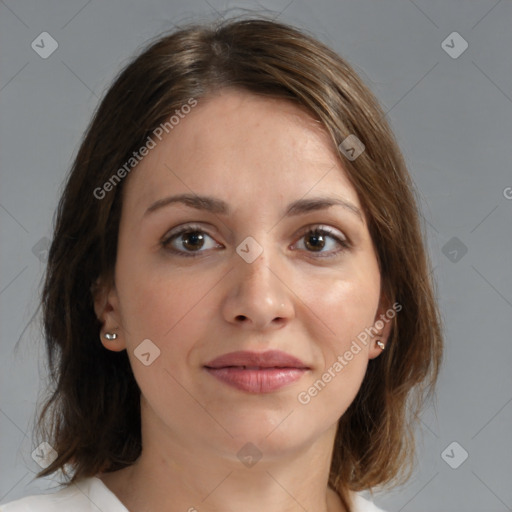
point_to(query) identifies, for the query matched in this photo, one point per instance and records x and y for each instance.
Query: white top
(92, 495)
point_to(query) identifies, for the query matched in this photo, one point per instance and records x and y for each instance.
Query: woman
(238, 304)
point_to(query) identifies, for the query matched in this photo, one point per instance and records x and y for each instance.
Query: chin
(273, 433)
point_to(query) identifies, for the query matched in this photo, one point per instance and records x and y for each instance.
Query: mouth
(257, 372)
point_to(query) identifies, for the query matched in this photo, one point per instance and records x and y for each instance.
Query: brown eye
(318, 239)
(189, 241)
(315, 241)
(192, 240)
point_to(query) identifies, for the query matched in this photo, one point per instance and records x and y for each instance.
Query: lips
(269, 359)
(257, 372)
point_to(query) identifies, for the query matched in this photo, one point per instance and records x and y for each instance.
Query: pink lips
(257, 372)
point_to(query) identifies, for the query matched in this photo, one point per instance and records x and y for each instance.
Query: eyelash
(312, 231)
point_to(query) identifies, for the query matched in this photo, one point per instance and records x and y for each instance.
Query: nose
(258, 295)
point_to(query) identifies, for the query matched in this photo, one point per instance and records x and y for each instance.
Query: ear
(106, 307)
(382, 325)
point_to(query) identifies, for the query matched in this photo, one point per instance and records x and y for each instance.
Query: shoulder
(82, 496)
(361, 504)
(69, 498)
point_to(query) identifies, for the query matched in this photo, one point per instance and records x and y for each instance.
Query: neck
(178, 474)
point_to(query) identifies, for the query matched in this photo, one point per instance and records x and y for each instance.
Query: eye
(188, 240)
(319, 238)
(191, 241)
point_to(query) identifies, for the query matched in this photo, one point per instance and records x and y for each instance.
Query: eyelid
(323, 227)
(184, 228)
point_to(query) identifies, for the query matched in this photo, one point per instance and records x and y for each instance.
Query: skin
(258, 155)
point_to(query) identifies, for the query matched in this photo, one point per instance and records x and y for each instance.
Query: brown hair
(92, 417)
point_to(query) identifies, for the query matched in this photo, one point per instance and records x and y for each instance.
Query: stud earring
(381, 345)
(110, 336)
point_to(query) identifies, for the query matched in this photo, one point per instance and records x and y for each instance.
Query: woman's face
(248, 275)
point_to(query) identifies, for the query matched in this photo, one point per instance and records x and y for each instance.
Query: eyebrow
(217, 206)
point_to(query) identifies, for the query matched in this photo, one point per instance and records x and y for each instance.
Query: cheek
(344, 311)
(167, 308)
(346, 308)
(172, 315)
(150, 302)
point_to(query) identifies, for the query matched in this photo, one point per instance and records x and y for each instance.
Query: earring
(381, 345)
(110, 336)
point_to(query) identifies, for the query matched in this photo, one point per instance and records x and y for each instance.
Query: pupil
(318, 241)
(190, 240)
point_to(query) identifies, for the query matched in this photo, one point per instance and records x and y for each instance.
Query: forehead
(237, 143)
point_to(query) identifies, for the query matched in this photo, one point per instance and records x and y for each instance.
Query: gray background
(453, 120)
